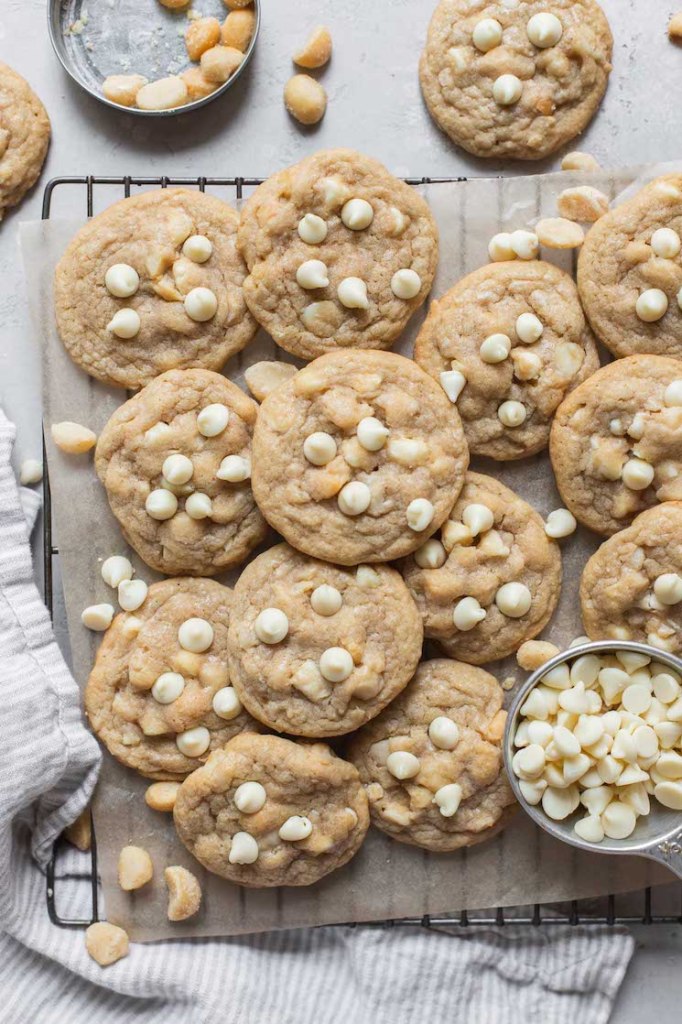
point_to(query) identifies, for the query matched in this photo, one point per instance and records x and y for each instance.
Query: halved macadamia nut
(184, 893)
(238, 28)
(123, 89)
(317, 50)
(220, 62)
(201, 35)
(163, 94)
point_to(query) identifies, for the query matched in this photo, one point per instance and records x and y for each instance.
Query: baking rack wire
(586, 912)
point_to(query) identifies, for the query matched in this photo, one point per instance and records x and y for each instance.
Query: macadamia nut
(305, 99)
(106, 943)
(123, 89)
(201, 35)
(220, 62)
(135, 868)
(317, 50)
(184, 893)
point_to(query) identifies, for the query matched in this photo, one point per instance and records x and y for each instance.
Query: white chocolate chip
(352, 293)
(271, 626)
(372, 434)
(513, 600)
(560, 523)
(512, 414)
(168, 687)
(326, 600)
(121, 280)
(193, 742)
(354, 498)
(212, 420)
(334, 191)
(478, 518)
(500, 247)
(559, 803)
(115, 569)
(666, 243)
(198, 506)
(532, 791)
(243, 849)
(312, 229)
(97, 617)
(312, 274)
(589, 829)
(452, 383)
(319, 448)
(403, 765)
(161, 504)
(336, 664)
(357, 214)
(544, 30)
(651, 305)
(637, 474)
(525, 244)
(431, 555)
(495, 348)
(487, 34)
(669, 794)
(444, 733)
(467, 614)
(528, 328)
(250, 797)
(125, 324)
(507, 90)
(618, 820)
(448, 798)
(197, 248)
(406, 284)
(234, 469)
(177, 469)
(195, 635)
(201, 304)
(226, 703)
(132, 594)
(72, 437)
(407, 451)
(668, 588)
(529, 762)
(419, 514)
(295, 828)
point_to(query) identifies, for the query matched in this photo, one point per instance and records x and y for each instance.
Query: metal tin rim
(613, 846)
(54, 30)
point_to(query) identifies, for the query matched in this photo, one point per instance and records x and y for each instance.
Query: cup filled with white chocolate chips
(593, 749)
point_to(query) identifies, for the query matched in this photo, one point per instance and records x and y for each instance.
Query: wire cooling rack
(72, 194)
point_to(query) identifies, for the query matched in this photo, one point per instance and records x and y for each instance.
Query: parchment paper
(386, 879)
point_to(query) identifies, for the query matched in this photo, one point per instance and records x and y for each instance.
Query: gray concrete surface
(374, 105)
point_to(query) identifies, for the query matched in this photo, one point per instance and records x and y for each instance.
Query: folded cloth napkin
(386, 975)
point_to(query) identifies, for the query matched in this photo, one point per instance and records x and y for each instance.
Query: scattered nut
(184, 893)
(218, 63)
(238, 29)
(106, 943)
(264, 377)
(161, 796)
(31, 472)
(583, 203)
(79, 832)
(163, 94)
(577, 161)
(559, 233)
(201, 35)
(135, 868)
(317, 50)
(534, 653)
(72, 437)
(174, 5)
(675, 28)
(197, 86)
(237, 4)
(305, 99)
(123, 89)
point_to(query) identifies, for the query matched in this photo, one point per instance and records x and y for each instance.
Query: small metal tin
(141, 40)
(658, 836)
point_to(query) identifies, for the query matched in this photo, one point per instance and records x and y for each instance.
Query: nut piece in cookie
(631, 588)
(371, 238)
(267, 811)
(490, 579)
(176, 461)
(431, 763)
(616, 445)
(515, 79)
(630, 272)
(513, 339)
(358, 457)
(24, 138)
(316, 649)
(136, 294)
(160, 696)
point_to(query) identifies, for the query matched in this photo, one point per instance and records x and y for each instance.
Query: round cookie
(267, 811)
(316, 649)
(537, 347)
(431, 763)
(631, 251)
(155, 234)
(515, 79)
(492, 539)
(616, 442)
(24, 138)
(302, 214)
(631, 588)
(121, 695)
(359, 505)
(165, 421)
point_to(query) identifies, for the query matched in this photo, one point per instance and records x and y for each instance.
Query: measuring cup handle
(668, 852)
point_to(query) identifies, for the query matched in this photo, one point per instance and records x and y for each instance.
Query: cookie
(616, 442)
(267, 811)
(431, 763)
(491, 578)
(153, 283)
(24, 138)
(630, 272)
(515, 79)
(631, 588)
(175, 461)
(340, 254)
(318, 650)
(507, 343)
(358, 458)
(159, 696)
